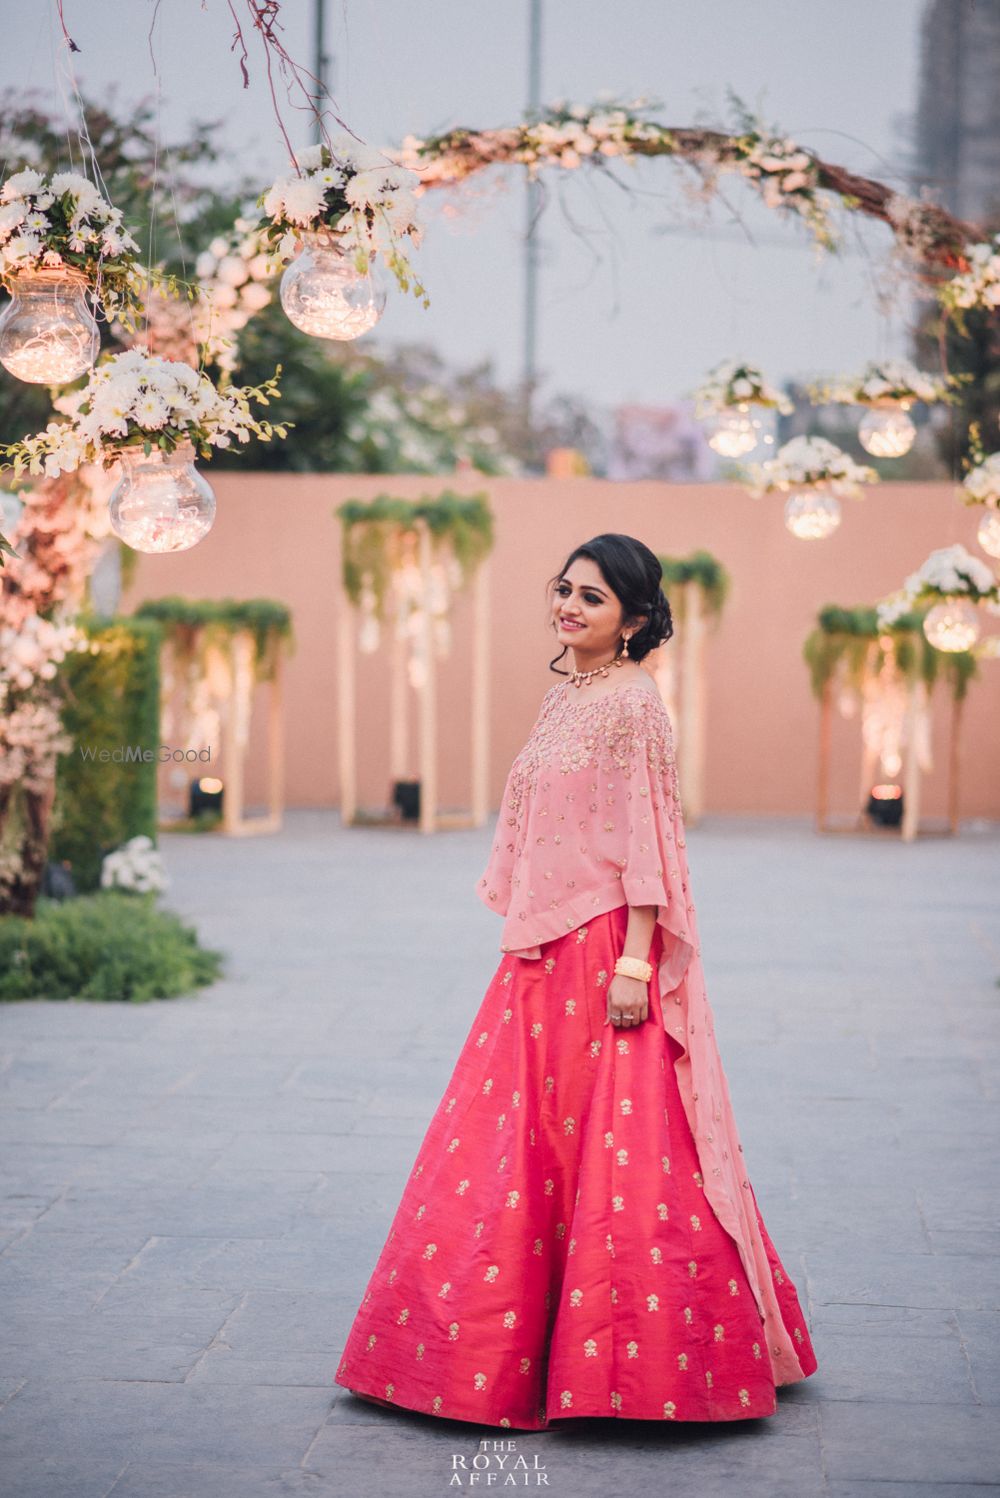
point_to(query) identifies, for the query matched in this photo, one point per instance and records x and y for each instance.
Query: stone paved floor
(195, 1190)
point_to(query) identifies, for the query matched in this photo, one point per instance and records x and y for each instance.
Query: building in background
(958, 110)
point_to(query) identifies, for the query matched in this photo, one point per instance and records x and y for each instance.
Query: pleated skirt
(553, 1254)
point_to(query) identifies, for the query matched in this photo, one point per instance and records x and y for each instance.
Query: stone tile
(906, 1443)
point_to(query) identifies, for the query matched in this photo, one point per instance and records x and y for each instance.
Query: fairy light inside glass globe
(734, 432)
(887, 433)
(48, 335)
(161, 502)
(324, 294)
(952, 625)
(988, 534)
(812, 514)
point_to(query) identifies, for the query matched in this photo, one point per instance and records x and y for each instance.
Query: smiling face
(585, 613)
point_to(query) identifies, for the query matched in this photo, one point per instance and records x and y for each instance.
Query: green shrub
(108, 945)
(111, 699)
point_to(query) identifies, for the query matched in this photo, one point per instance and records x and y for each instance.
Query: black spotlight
(885, 805)
(205, 795)
(406, 796)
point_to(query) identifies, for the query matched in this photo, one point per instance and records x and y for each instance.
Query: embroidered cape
(590, 820)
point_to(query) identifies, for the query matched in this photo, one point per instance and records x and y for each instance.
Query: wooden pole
(954, 762)
(428, 696)
(911, 767)
(399, 745)
(276, 738)
(823, 776)
(480, 744)
(346, 711)
(692, 756)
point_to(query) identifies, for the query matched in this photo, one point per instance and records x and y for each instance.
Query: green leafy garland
(192, 624)
(699, 567)
(844, 637)
(372, 529)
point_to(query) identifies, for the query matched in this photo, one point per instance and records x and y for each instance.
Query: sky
(639, 294)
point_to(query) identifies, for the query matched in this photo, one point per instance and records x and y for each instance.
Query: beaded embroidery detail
(611, 731)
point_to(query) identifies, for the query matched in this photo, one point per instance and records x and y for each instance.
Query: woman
(578, 1235)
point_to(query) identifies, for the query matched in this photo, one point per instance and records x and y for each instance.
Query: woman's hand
(628, 1001)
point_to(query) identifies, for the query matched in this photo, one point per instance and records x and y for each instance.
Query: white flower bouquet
(890, 382)
(356, 196)
(136, 399)
(949, 572)
(809, 463)
(135, 866)
(734, 384)
(62, 223)
(981, 485)
(979, 286)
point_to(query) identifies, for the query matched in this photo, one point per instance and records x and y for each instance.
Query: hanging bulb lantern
(161, 502)
(325, 294)
(48, 335)
(734, 433)
(988, 534)
(952, 625)
(812, 514)
(886, 432)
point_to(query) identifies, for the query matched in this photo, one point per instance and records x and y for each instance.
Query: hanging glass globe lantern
(886, 432)
(812, 514)
(161, 502)
(325, 294)
(988, 534)
(734, 432)
(952, 625)
(48, 335)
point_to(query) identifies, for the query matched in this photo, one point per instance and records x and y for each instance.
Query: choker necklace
(584, 678)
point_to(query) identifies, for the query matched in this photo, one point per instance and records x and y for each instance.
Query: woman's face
(585, 612)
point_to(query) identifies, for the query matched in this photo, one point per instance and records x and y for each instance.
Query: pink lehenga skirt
(553, 1254)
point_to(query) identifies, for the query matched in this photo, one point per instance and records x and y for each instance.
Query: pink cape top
(590, 820)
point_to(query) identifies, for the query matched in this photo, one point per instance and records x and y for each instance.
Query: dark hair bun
(657, 629)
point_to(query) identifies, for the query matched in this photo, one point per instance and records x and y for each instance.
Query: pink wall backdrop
(277, 536)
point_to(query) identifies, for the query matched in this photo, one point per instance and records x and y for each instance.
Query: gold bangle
(634, 967)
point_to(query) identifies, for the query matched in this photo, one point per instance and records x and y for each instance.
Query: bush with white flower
(981, 485)
(135, 866)
(31, 652)
(64, 223)
(979, 286)
(949, 572)
(233, 275)
(807, 463)
(734, 384)
(137, 399)
(885, 382)
(350, 191)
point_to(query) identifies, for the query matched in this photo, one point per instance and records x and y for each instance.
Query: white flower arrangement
(62, 223)
(981, 485)
(735, 384)
(135, 866)
(31, 652)
(949, 572)
(979, 286)
(889, 382)
(351, 191)
(810, 462)
(137, 399)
